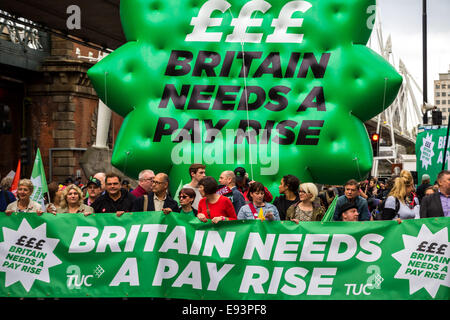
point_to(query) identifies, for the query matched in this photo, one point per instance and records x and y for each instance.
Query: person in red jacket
(213, 206)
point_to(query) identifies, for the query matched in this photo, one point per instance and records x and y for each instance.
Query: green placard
(150, 254)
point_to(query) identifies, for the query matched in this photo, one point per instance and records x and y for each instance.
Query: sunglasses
(183, 197)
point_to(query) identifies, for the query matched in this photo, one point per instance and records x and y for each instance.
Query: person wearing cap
(197, 172)
(348, 212)
(94, 189)
(352, 195)
(425, 184)
(126, 185)
(243, 183)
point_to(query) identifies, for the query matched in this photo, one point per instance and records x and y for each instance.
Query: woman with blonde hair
(72, 201)
(307, 209)
(24, 203)
(401, 202)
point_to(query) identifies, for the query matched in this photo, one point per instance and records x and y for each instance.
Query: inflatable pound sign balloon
(278, 87)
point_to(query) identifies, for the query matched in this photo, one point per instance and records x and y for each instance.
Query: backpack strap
(253, 209)
(145, 202)
(207, 209)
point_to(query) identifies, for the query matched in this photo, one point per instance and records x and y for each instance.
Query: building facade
(46, 98)
(442, 95)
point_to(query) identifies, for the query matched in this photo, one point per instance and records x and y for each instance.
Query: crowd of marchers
(235, 196)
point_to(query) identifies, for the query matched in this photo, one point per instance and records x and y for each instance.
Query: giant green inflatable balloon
(278, 87)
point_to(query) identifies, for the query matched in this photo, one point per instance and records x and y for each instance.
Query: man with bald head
(228, 188)
(157, 199)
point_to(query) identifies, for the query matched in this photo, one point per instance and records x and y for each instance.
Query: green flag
(39, 180)
(328, 216)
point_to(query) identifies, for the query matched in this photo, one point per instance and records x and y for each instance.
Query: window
(444, 101)
(443, 86)
(438, 101)
(444, 94)
(438, 94)
(438, 86)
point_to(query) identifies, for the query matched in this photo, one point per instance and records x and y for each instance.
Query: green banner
(150, 254)
(430, 145)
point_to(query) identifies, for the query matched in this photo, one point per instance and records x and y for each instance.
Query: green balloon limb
(278, 87)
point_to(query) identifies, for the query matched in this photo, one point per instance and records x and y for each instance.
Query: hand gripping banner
(149, 254)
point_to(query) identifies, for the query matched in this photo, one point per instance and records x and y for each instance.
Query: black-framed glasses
(183, 197)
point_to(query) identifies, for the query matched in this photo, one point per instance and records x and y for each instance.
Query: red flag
(15, 183)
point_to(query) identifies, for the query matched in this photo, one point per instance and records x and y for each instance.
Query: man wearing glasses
(157, 199)
(145, 183)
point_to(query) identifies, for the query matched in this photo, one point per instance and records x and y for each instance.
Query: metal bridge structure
(398, 123)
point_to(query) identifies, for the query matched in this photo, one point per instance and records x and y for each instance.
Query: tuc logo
(245, 20)
(76, 280)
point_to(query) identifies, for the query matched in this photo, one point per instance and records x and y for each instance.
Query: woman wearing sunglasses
(187, 197)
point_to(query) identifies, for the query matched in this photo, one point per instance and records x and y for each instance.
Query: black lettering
(315, 99)
(192, 128)
(177, 67)
(39, 244)
(274, 94)
(178, 99)
(441, 249)
(422, 246)
(310, 61)
(431, 247)
(247, 57)
(306, 131)
(292, 65)
(208, 67)
(198, 95)
(250, 135)
(30, 242)
(21, 241)
(212, 131)
(270, 65)
(289, 135)
(165, 127)
(267, 132)
(222, 97)
(260, 97)
(227, 62)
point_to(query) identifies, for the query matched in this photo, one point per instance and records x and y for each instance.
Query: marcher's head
(101, 176)
(186, 196)
(289, 182)
(429, 191)
(146, 179)
(241, 176)
(71, 196)
(207, 186)
(256, 192)
(227, 178)
(25, 189)
(443, 180)
(425, 178)
(160, 183)
(349, 212)
(308, 192)
(402, 187)
(197, 171)
(351, 189)
(94, 188)
(112, 184)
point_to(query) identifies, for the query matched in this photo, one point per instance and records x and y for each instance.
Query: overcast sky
(402, 19)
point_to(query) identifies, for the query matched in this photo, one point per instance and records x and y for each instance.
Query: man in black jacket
(115, 199)
(157, 199)
(438, 204)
